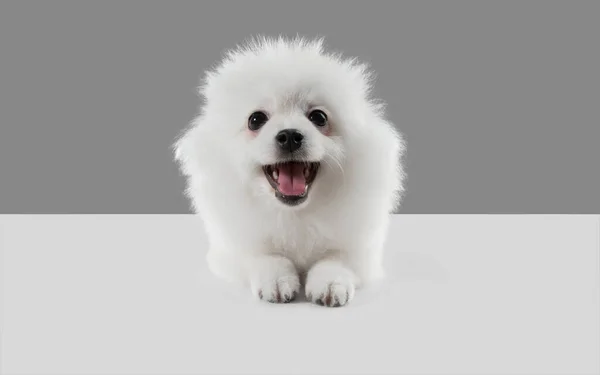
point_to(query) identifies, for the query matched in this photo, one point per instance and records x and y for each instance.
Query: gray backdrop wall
(499, 101)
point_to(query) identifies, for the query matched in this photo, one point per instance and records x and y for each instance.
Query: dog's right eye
(256, 120)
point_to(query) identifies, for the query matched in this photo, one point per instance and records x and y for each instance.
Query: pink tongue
(291, 179)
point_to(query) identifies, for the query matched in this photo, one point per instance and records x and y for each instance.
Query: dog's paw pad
(282, 290)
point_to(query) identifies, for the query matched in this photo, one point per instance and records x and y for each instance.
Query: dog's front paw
(283, 289)
(331, 294)
(274, 279)
(330, 284)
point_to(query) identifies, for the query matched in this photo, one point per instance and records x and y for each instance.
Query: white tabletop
(469, 294)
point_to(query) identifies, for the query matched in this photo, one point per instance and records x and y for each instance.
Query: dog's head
(283, 114)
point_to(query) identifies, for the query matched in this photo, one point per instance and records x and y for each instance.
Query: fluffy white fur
(333, 242)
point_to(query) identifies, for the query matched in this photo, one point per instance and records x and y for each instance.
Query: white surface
(465, 294)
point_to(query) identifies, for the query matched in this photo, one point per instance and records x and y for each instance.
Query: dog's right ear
(179, 145)
(183, 148)
(178, 149)
(193, 146)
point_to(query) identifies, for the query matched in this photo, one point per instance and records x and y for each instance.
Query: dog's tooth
(306, 172)
(275, 174)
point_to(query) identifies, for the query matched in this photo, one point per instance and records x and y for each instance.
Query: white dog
(294, 171)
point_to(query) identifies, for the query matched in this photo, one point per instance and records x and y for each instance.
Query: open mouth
(291, 180)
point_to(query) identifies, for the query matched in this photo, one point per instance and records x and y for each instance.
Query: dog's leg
(273, 278)
(330, 283)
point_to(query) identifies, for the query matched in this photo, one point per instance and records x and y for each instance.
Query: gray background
(499, 101)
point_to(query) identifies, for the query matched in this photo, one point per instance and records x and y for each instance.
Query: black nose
(289, 139)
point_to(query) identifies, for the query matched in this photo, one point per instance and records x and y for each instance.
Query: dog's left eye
(318, 117)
